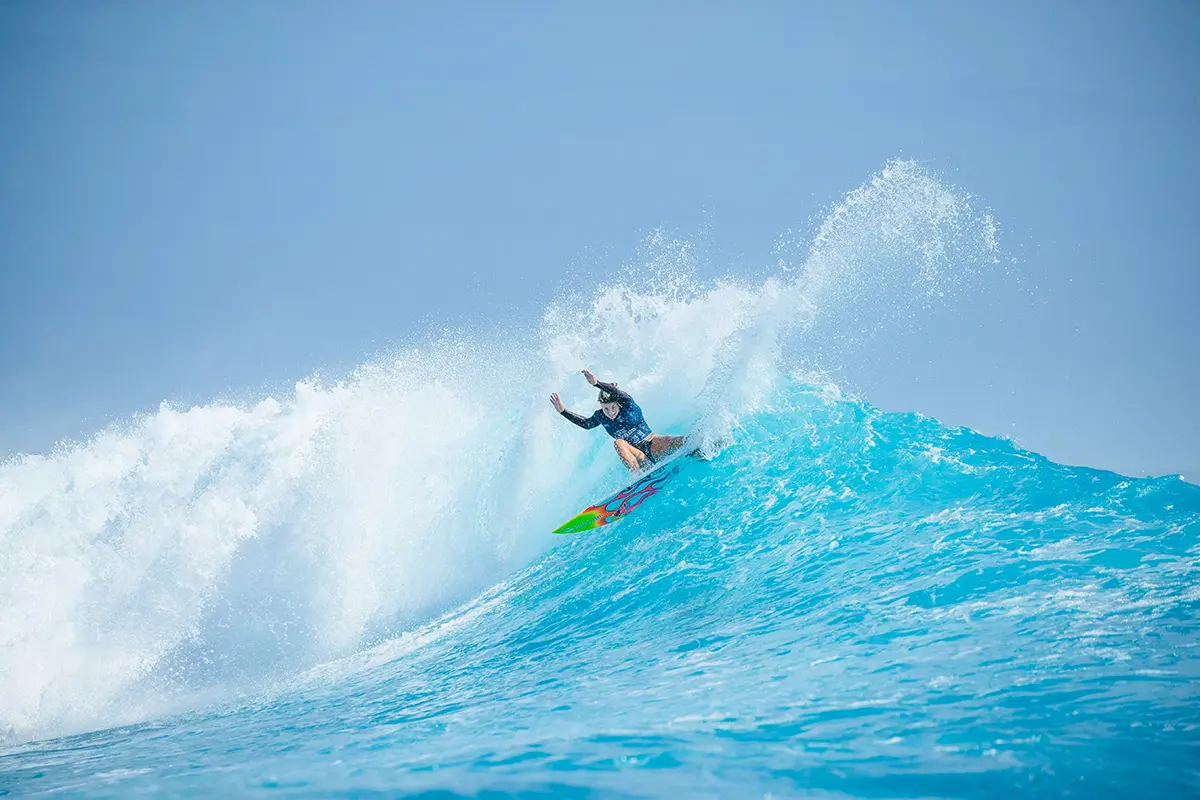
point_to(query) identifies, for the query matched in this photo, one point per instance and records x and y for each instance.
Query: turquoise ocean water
(308, 596)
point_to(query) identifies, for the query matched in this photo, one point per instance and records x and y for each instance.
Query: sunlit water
(311, 595)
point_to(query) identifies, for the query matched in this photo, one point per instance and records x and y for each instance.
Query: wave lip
(360, 574)
(843, 600)
(213, 550)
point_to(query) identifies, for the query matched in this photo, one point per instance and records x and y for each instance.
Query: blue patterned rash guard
(629, 424)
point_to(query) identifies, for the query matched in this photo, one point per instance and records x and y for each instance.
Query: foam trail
(212, 548)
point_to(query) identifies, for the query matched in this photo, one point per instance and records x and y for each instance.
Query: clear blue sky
(198, 198)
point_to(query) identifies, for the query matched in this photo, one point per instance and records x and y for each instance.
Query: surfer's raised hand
(556, 402)
(590, 377)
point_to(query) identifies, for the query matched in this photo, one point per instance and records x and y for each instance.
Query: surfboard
(616, 507)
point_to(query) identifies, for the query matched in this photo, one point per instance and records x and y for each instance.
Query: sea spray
(845, 601)
(193, 553)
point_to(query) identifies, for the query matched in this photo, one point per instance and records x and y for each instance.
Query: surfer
(623, 420)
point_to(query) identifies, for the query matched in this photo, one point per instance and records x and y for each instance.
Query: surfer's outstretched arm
(587, 423)
(610, 388)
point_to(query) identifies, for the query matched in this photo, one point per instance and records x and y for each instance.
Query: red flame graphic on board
(630, 497)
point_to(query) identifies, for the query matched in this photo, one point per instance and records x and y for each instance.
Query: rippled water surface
(843, 601)
(313, 596)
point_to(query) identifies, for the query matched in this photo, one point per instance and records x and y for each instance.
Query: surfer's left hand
(590, 377)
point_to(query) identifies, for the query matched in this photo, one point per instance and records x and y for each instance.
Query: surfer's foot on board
(706, 452)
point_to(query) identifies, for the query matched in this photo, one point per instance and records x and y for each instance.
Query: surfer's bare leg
(665, 445)
(631, 457)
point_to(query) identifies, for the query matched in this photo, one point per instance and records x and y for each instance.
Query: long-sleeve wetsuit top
(629, 424)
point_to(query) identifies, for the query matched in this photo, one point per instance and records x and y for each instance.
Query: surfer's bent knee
(640, 455)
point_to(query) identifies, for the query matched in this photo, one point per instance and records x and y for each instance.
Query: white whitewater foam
(213, 546)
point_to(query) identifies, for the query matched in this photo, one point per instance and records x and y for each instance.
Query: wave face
(318, 595)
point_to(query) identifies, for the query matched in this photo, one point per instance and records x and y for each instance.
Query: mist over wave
(197, 554)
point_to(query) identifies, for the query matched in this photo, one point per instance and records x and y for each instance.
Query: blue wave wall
(312, 592)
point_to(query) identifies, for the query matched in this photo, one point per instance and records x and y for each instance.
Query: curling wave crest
(842, 596)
